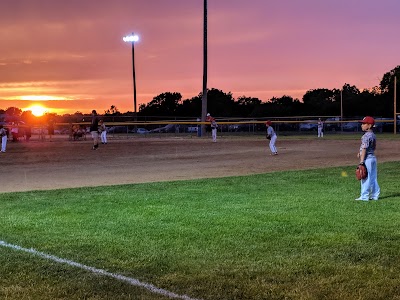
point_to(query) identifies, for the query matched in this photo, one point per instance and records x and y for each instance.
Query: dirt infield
(41, 165)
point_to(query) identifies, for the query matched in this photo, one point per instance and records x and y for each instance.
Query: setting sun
(37, 110)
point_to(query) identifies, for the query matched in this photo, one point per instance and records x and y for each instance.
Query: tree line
(377, 101)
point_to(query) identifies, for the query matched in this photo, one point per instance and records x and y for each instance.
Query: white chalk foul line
(129, 280)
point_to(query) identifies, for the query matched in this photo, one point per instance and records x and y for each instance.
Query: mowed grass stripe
(297, 234)
(129, 280)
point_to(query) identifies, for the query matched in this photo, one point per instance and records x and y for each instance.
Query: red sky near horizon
(69, 55)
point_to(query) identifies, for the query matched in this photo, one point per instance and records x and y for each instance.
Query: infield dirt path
(59, 164)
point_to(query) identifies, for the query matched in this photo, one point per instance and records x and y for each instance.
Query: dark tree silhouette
(165, 104)
(376, 101)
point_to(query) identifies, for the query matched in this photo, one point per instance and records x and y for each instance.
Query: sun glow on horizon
(37, 110)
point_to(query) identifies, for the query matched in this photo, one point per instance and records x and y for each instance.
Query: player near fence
(15, 131)
(50, 129)
(320, 125)
(103, 132)
(94, 130)
(369, 186)
(4, 136)
(214, 127)
(271, 136)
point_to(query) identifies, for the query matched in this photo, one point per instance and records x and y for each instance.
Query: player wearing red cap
(369, 186)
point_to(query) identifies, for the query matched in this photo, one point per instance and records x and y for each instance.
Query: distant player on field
(103, 132)
(214, 127)
(271, 136)
(4, 136)
(94, 130)
(320, 128)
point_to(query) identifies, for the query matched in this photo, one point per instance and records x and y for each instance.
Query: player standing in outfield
(320, 128)
(103, 132)
(3, 135)
(50, 129)
(14, 131)
(369, 186)
(94, 130)
(214, 127)
(271, 136)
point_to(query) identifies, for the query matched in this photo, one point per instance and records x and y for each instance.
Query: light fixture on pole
(133, 38)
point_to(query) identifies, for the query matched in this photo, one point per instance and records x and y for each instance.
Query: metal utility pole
(204, 97)
(134, 80)
(341, 109)
(395, 107)
(132, 39)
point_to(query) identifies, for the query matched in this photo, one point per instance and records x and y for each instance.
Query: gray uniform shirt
(368, 142)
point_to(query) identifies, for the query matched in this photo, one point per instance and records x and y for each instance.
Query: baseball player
(94, 130)
(320, 128)
(214, 127)
(103, 132)
(271, 136)
(369, 186)
(3, 135)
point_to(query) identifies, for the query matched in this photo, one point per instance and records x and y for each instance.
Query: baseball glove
(361, 171)
(268, 137)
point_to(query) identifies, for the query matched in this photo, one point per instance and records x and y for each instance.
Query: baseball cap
(368, 120)
(268, 123)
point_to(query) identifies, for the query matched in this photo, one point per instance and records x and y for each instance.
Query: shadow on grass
(390, 196)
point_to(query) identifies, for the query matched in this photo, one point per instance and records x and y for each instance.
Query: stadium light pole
(341, 109)
(204, 97)
(395, 107)
(133, 38)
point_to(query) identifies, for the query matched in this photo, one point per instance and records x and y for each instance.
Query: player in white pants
(271, 135)
(214, 127)
(3, 135)
(103, 132)
(320, 128)
(370, 189)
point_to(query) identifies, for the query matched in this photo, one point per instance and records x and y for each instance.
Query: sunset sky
(70, 56)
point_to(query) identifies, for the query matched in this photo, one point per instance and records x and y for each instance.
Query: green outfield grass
(283, 235)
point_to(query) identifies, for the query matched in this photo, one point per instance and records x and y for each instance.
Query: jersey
(368, 142)
(212, 121)
(94, 126)
(270, 131)
(3, 132)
